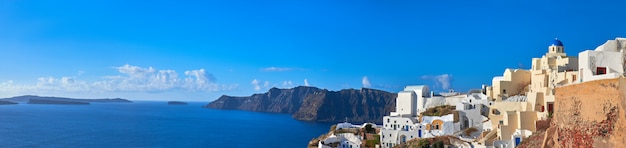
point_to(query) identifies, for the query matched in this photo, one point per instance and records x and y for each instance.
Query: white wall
(394, 127)
(406, 103)
(589, 60)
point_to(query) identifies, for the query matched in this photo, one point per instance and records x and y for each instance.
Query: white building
(606, 61)
(343, 140)
(474, 110)
(407, 123)
(403, 124)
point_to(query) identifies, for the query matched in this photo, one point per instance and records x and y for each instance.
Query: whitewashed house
(407, 122)
(605, 62)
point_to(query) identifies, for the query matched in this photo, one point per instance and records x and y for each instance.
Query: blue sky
(200, 50)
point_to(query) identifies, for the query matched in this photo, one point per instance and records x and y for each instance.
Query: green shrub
(438, 144)
(372, 143)
(424, 143)
(550, 114)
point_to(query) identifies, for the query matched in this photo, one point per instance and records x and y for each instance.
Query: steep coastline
(275, 100)
(365, 105)
(314, 104)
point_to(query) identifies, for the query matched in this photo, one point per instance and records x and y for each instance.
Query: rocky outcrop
(314, 104)
(589, 114)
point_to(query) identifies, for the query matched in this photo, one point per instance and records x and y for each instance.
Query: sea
(150, 124)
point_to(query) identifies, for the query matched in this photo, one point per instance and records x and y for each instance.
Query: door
(419, 133)
(550, 107)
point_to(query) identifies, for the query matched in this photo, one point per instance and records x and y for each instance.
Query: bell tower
(556, 49)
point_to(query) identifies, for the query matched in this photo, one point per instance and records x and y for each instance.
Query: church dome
(556, 42)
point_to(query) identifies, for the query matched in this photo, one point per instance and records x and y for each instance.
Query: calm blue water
(149, 124)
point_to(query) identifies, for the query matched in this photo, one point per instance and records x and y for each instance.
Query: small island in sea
(52, 101)
(176, 103)
(6, 103)
(31, 99)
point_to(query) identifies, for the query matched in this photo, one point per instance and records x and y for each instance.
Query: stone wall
(590, 114)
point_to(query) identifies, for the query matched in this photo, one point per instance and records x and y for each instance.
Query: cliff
(314, 104)
(365, 105)
(589, 114)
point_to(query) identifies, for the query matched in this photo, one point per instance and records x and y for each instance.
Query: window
(436, 126)
(387, 120)
(495, 112)
(601, 70)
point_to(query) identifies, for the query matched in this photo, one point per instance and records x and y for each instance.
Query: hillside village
(561, 101)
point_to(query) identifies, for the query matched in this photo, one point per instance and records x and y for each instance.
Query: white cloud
(443, 81)
(200, 80)
(287, 83)
(266, 84)
(278, 69)
(366, 82)
(255, 84)
(135, 71)
(260, 85)
(131, 79)
(306, 82)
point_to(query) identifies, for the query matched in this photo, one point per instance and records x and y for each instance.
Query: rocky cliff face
(589, 114)
(314, 104)
(275, 100)
(365, 105)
